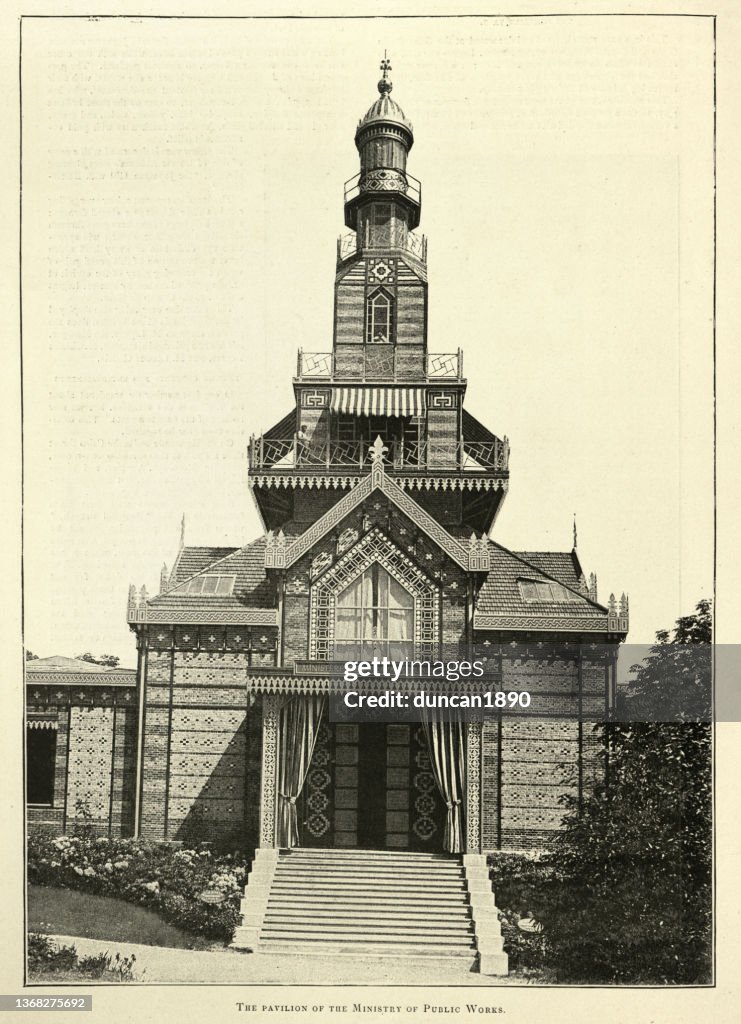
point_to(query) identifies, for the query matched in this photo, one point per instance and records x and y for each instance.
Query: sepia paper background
(567, 171)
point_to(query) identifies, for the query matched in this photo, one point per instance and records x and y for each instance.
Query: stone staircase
(371, 903)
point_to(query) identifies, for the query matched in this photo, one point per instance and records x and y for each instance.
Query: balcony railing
(378, 362)
(415, 245)
(288, 453)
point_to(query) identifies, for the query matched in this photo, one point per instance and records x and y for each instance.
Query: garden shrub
(154, 875)
(523, 884)
(47, 957)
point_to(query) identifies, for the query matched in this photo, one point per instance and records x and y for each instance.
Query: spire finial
(385, 86)
(574, 531)
(182, 531)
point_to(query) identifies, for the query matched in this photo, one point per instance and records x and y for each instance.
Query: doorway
(371, 786)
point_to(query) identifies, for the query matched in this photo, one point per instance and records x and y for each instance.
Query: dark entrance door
(372, 786)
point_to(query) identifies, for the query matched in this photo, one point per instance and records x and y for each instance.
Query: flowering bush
(150, 874)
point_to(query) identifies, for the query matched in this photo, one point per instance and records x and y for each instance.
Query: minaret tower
(379, 378)
(383, 139)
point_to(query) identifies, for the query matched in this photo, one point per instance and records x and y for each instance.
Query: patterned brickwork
(124, 772)
(529, 762)
(195, 757)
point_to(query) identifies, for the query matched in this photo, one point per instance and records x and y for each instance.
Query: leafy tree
(673, 684)
(108, 660)
(632, 903)
(30, 656)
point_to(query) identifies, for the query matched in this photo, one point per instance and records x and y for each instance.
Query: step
(390, 877)
(355, 851)
(367, 952)
(381, 878)
(385, 920)
(368, 938)
(404, 860)
(368, 925)
(351, 887)
(377, 858)
(385, 898)
(385, 870)
(408, 910)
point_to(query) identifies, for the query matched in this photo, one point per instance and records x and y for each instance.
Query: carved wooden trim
(268, 775)
(567, 623)
(199, 614)
(378, 480)
(373, 547)
(473, 787)
(411, 483)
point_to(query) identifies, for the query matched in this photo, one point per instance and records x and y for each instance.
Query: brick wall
(197, 758)
(529, 762)
(94, 772)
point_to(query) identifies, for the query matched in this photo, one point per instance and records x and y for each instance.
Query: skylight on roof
(539, 590)
(209, 585)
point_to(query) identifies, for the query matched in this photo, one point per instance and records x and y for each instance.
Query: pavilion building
(379, 493)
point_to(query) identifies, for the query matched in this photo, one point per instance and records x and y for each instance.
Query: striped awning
(378, 401)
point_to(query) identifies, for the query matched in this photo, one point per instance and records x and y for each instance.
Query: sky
(182, 184)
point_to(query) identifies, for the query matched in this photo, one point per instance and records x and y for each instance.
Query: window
(383, 224)
(215, 586)
(41, 753)
(540, 590)
(374, 617)
(379, 318)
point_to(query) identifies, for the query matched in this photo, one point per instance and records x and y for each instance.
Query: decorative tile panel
(90, 754)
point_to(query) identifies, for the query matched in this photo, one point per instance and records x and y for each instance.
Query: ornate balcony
(378, 362)
(386, 181)
(465, 457)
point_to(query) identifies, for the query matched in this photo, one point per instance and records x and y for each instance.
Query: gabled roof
(377, 480)
(251, 586)
(59, 671)
(58, 663)
(563, 566)
(192, 560)
(500, 603)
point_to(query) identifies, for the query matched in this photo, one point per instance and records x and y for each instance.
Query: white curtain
(298, 725)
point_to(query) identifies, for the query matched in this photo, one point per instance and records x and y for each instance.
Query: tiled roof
(58, 663)
(500, 593)
(251, 587)
(194, 559)
(58, 670)
(563, 566)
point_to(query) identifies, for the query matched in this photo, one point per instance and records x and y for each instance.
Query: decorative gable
(280, 554)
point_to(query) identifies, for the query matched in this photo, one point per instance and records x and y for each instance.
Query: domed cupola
(387, 113)
(383, 139)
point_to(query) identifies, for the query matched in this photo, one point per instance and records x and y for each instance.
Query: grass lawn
(67, 912)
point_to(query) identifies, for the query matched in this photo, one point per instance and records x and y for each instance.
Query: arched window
(379, 318)
(374, 618)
